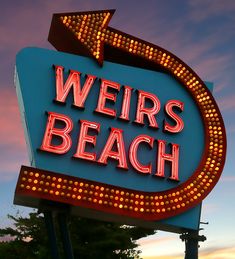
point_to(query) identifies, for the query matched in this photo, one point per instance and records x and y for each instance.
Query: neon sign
(144, 176)
(115, 138)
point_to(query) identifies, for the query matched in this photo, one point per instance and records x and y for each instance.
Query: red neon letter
(173, 158)
(104, 95)
(85, 138)
(169, 110)
(63, 134)
(126, 103)
(150, 112)
(146, 169)
(73, 81)
(120, 155)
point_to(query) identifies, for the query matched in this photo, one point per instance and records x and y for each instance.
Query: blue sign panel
(36, 89)
(36, 78)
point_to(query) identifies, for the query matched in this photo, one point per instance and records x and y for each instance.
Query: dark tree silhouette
(27, 238)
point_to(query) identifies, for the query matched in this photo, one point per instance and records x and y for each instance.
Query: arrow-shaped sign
(83, 33)
(87, 33)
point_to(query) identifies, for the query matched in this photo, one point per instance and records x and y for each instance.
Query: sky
(200, 32)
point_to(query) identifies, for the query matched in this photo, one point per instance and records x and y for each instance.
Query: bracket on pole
(191, 239)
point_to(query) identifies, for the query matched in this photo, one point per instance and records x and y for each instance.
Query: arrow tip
(86, 32)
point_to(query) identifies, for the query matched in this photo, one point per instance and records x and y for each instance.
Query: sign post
(49, 222)
(135, 137)
(191, 239)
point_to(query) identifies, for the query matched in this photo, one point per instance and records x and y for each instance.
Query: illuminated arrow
(81, 33)
(87, 33)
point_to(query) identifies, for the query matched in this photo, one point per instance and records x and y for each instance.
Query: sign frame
(109, 42)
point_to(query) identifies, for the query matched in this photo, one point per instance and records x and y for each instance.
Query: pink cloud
(221, 85)
(218, 253)
(11, 130)
(213, 67)
(227, 102)
(12, 143)
(211, 252)
(32, 25)
(10, 169)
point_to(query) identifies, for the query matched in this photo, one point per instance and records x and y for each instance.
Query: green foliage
(28, 238)
(90, 239)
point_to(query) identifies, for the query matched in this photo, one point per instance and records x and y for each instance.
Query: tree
(90, 239)
(26, 239)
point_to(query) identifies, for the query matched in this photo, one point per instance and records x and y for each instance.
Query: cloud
(213, 67)
(150, 241)
(12, 143)
(26, 25)
(209, 208)
(32, 25)
(218, 253)
(227, 179)
(202, 10)
(227, 102)
(230, 129)
(11, 127)
(208, 253)
(163, 257)
(221, 85)
(208, 51)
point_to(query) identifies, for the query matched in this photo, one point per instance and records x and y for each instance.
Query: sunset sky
(200, 32)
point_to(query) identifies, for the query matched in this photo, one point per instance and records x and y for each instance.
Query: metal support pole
(191, 247)
(191, 239)
(67, 245)
(62, 212)
(51, 234)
